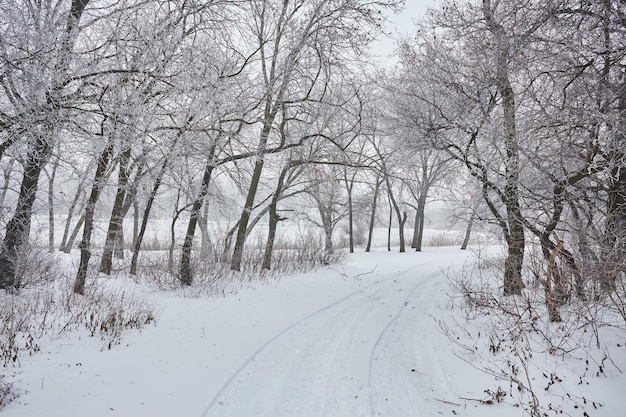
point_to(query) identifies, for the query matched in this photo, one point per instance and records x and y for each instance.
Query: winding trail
(370, 353)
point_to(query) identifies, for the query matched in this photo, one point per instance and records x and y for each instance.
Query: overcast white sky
(402, 24)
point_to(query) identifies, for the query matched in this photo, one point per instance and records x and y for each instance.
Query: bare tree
(287, 51)
(37, 110)
(329, 201)
(466, 83)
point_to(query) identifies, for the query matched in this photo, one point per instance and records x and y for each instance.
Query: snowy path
(360, 339)
(370, 353)
(357, 339)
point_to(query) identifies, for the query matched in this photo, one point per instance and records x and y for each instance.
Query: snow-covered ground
(358, 339)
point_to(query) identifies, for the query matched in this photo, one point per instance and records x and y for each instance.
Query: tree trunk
(420, 220)
(416, 226)
(468, 231)
(399, 214)
(350, 221)
(402, 221)
(389, 225)
(553, 310)
(85, 244)
(370, 233)
(18, 228)
(135, 222)
(170, 251)
(271, 234)
(614, 245)
(326, 215)
(115, 222)
(70, 215)
(70, 242)
(235, 262)
(130, 200)
(274, 218)
(118, 247)
(7, 178)
(349, 186)
(513, 282)
(51, 206)
(203, 222)
(186, 275)
(138, 239)
(144, 220)
(328, 234)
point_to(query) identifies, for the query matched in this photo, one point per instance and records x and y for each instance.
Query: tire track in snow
(411, 363)
(324, 363)
(300, 322)
(383, 334)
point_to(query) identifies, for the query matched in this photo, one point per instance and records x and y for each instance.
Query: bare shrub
(445, 239)
(211, 273)
(514, 341)
(152, 243)
(34, 312)
(8, 391)
(107, 312)
(35, 267)
(304, 254)
(24, 320)
(211, 270)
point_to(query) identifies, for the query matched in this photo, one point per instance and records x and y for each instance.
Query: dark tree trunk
(186, 274)
(139, 235)
(118, 247)
(144, 220)
(115, 222)
(51, 206)
(402, 221)
(240, 240)
(170, 251)
(74, 235)
(18, 228)
(389, 225)
(370, 233)
(416, 226)
(130, 200)
(70, 215)
(349, 183)
(468, 231)
(271, 230)
(135, 223)
(274, 218)
(401, 217)
(85, 244)
(235, 263)
(614, 246)
(350, 220)
(418, 231)
(513, 283)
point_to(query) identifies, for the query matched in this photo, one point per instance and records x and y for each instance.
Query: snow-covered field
(363, 338)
